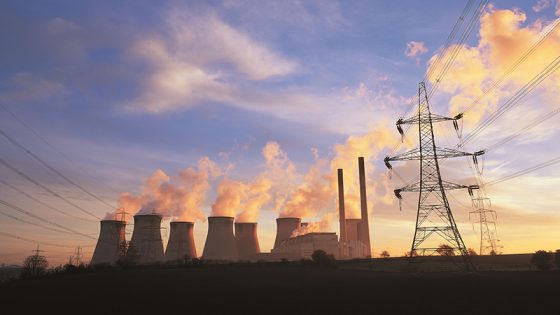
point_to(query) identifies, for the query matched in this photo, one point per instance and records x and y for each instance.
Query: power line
(54, 170)
(516, 64)
(514, 100)
(28, 178)
(44, 140)
(44, 203)
(525, 171)
(9, 205)
(529, 126)
(38, 242)
(32, 223)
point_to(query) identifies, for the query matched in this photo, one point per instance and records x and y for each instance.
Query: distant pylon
(485, 217)
(435, 225)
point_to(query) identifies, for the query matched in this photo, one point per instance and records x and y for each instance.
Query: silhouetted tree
(445, 250)
(34, 265)
(542, 260)
(493, 253)
(320, 257)
(384, 254)
(472, 252)
(557, 258)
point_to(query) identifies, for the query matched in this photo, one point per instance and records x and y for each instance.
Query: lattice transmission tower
(485, 217)
(436, 232)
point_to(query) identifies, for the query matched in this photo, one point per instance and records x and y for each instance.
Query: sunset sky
(247, 108)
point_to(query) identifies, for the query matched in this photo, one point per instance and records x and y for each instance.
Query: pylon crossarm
(416, 187)
(416, 154)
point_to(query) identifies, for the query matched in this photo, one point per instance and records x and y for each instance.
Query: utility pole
(435, 225)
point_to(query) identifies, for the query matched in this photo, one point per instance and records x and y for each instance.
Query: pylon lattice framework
(434, 217)
(485, 216)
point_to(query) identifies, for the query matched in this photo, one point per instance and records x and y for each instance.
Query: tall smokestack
(247, 240)
(341, 213)
(363, 202)
(108, 247)
(181, 241)
(146, 237)
(284, 229)
(220, 242)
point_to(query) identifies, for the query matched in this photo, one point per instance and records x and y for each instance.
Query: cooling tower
(284, 229)
(220, 242)
(364, 208)
(246, 240)
(146, 237)
(111, 236)
(181, 241)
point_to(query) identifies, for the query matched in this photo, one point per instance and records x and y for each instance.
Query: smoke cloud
(180, 197)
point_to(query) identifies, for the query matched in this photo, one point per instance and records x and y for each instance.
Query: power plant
(246, 240)
(181, 241)
(225, 244)
(146, 237)
(220, 242)
(111, 239)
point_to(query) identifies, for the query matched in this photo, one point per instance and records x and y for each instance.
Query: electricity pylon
(485, 216)
(434, 217)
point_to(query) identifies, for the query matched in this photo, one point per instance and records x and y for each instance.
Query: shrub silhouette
(384, 254)
(34, 265)
(445, 250)
(557, 258)
(542, 260)
(320, 257)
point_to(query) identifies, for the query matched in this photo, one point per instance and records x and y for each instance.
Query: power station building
(223, 244)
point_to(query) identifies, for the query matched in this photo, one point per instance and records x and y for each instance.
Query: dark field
(286, 289)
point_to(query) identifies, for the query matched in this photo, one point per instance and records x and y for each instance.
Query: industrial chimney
(284, 229)
(181, 241)
(364, 208)
(220, 242)
(108, 248)
(247, 240)
(146, 237)
(342, 215)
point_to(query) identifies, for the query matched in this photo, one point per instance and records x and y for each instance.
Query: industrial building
(246, 240)
(220, 241)
(146, 237)
(223, 244)
(111, 238)
(181, 241)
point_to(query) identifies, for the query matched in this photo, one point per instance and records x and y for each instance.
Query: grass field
(282, 289)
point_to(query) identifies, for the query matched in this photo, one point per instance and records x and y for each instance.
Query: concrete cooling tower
(111, 236)
(146, 237)
(284, 229)
(220, 242)
(181, 241)
(246, 240)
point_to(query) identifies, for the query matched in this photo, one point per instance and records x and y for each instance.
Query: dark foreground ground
(282, 289)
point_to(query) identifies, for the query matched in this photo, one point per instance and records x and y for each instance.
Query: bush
(557, 258)
(384, 254)
(320, 257)
(34, 265)
(542, 260)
